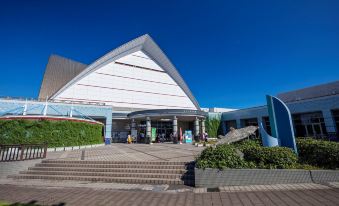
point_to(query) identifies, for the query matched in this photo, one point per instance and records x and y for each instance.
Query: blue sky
(231, 53)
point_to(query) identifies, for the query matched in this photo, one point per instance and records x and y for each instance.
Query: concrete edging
(319, 176)
(56, 149)
(212, 178)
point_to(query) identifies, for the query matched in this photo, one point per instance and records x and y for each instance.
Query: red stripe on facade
(135, 78)
(129, 90)
(140, 67)
(93, 100)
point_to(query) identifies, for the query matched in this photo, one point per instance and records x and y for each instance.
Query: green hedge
(55, 133)
(222, 156)
(271, 157)
(313, 154)
(318, 153)
(248, 154)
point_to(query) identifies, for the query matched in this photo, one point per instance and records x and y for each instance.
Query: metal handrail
(20, 152)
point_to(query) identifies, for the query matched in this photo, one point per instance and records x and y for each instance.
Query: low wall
(212, 178)
(56, 149)
(325, 175)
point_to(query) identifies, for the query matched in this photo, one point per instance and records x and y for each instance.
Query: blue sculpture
(281, 125)
(267, 140)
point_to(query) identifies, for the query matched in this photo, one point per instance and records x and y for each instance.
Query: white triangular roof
(143, 46)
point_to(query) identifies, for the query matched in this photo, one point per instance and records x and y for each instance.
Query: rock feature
(236, 135)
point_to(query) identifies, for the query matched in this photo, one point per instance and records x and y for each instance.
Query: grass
(32, 203)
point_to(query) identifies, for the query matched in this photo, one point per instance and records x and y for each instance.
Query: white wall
(127, 86)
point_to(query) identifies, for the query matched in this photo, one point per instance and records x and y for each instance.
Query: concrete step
(114, 162)
(112, 170)
(129, 180)
(105, 174)
(145, 166)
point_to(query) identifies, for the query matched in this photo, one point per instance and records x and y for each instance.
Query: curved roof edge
(143, 43)
(167, 112)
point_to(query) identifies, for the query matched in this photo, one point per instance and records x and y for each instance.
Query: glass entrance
(163, 128)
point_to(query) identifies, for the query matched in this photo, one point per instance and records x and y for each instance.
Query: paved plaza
(113, 152)
(133, 152)
(48, 192)
(89, 196)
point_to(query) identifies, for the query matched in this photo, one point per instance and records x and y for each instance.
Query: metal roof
(59, 71)
(322, 90)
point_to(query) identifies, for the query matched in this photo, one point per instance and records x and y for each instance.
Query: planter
(325, 175)
(211, 178)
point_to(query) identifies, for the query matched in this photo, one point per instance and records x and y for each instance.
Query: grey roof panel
(146, 44)
(322, 90)
(59, 71)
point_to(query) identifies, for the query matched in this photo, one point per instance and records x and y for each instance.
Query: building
(140, 84)
(315, 112)
(135, 89)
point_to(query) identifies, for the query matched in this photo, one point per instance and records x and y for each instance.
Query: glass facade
(309, 125)
(249, 122)
(335, 114)
(266, 124)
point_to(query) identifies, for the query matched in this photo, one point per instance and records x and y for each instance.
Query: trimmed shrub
(318, 153)
(54, 133)
(247, 144)
(222, 156)
(271, 157)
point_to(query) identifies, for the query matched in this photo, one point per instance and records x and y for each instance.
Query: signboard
(153, 134)
(188, 136)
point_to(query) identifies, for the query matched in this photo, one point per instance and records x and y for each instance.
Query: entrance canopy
(184, 114)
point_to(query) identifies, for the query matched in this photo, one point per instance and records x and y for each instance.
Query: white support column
(71, 112)
(108, 129)
(196, 127)
(45, 108)
(148, 130)
(203, 128)
(133, 125)
(25, 109)
(175, 129)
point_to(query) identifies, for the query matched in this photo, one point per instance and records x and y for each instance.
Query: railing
(22, 152)
(53, 101)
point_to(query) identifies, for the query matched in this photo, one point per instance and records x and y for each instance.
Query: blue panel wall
(322, 104)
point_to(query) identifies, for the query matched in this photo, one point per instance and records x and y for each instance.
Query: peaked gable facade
(136, 75)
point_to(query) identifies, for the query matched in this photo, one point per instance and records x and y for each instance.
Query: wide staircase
(132, 172)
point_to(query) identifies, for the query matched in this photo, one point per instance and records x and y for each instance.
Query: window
(309, 125)
(229, 124)
(266, 124)
(249, 122)
(335, 114)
